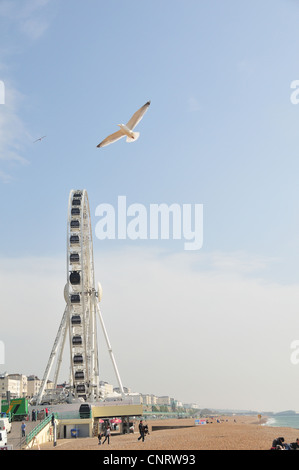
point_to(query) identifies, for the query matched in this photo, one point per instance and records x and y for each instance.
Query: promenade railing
(39, 427)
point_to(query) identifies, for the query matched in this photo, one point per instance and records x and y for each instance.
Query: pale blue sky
(221, 130)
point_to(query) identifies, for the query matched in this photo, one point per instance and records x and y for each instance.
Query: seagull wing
(137, 116)
(111, 138)
(40, 139)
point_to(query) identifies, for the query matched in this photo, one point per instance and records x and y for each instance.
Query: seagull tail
(135, 137)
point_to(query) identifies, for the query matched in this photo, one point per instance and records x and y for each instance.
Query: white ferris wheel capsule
(82, 306)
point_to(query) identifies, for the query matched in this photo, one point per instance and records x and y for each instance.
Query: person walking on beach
(141, 431)
(107, 435)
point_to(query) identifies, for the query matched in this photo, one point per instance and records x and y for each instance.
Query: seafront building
(11, 384)
(190, 406)
(21, 386)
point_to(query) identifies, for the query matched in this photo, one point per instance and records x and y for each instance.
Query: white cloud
(236, 262)
(34, 28)
(212, 335)
(246, 67)
(196, 332)
(27, 15)
(13, 134)
(193, 104)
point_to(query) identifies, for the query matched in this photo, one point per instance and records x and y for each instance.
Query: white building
(125, 389)
(191, 406)
(134, 398)
(33, 385)
(8, 384)
(163, 401)
(154, 399)
(23, 383)
(50, 385)
(106, 388)
(178, 404)
(147, 399)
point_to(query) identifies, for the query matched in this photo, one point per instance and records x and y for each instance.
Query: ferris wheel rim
(84, 265)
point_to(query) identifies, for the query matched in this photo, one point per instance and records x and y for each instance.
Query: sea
(284, 421)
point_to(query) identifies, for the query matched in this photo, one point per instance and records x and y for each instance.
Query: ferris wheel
(81, 311)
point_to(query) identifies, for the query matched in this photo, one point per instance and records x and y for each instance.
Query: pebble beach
(232, 433)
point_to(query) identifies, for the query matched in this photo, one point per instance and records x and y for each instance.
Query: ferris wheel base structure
(79, 320)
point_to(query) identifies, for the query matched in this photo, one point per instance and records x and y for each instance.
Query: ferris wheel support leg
(60, 353)
(110, 352)
(52, 357)
(95, 359)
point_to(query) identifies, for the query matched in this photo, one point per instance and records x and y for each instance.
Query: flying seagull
(127, 129)
(40, 139)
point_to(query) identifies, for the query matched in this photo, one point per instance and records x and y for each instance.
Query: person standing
(23, 428)
(107, 435)
(141, 431)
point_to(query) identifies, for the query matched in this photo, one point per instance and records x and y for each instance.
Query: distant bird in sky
(40, 139)
(127, 129)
